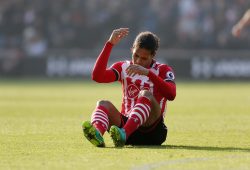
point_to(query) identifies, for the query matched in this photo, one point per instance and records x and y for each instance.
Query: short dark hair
(147, 40)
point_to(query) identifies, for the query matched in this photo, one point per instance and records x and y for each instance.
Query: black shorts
(156, 134)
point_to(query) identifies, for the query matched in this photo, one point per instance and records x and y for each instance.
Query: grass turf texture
(40, 128)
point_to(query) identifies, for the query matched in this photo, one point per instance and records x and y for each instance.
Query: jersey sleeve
(117, 69)
(167, 73)
(100, 72)
(164, 81)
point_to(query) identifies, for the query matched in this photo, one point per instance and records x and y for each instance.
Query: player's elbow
(172, 93)
(172, 96)
(96, 78)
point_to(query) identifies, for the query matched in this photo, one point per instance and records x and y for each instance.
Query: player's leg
(153, 131)
(145, 113)
(104, 115)
(155, 113)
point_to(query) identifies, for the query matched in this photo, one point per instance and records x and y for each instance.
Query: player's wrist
(150, 73)
(109, 43)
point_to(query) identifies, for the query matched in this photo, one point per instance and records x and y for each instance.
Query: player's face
(142, 57)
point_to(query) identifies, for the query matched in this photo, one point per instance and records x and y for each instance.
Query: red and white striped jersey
(131, 86)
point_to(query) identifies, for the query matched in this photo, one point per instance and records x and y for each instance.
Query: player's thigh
(113, 114)
(155, 113)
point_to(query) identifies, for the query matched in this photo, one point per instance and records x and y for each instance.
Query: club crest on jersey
(132, 91)
(170, 75)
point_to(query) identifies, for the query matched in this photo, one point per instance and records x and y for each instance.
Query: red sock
(99, 119)
(138, 115)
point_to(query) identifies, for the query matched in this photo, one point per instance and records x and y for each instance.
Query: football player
(147, 86)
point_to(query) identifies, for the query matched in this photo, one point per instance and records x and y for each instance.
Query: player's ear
(153, 54)
(132, 49)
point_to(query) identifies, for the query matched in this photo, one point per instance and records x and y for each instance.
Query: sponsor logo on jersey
(132, 91)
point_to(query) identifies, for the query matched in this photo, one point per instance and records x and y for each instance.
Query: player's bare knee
(146, 93)
(104, 103)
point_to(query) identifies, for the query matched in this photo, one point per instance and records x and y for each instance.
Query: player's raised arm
(100, 72)
(243, 22)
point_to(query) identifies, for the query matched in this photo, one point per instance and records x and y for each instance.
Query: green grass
(40, 128)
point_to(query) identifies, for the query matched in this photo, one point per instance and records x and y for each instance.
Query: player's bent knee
(104, 103)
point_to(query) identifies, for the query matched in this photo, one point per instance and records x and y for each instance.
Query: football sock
(99, 119)
(138, 115)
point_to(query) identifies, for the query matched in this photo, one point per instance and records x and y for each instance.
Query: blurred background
(62, 38)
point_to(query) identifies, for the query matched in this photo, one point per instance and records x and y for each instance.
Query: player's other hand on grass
(134, 69)
(117, 35)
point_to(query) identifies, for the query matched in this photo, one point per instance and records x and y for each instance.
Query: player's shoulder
(120, 65)
(161, 66)
(165, 71)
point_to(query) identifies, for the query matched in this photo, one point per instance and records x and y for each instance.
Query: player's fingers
(133, 71)
(129, 73)
(123, 31)
(122, 35)
(132, 65)
(117, 32)
(130, 70)
(132, 74)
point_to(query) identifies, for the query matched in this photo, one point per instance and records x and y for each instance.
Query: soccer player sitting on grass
(146, 85)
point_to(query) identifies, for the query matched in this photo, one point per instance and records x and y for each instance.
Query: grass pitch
(40, 128)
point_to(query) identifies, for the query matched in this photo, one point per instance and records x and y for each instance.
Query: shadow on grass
(188, 147)
(208, 148)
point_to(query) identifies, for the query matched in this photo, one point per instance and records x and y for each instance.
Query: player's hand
(117, 35)
(134, 69)
(236, 31)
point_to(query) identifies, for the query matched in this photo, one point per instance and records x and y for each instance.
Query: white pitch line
(177, 161)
